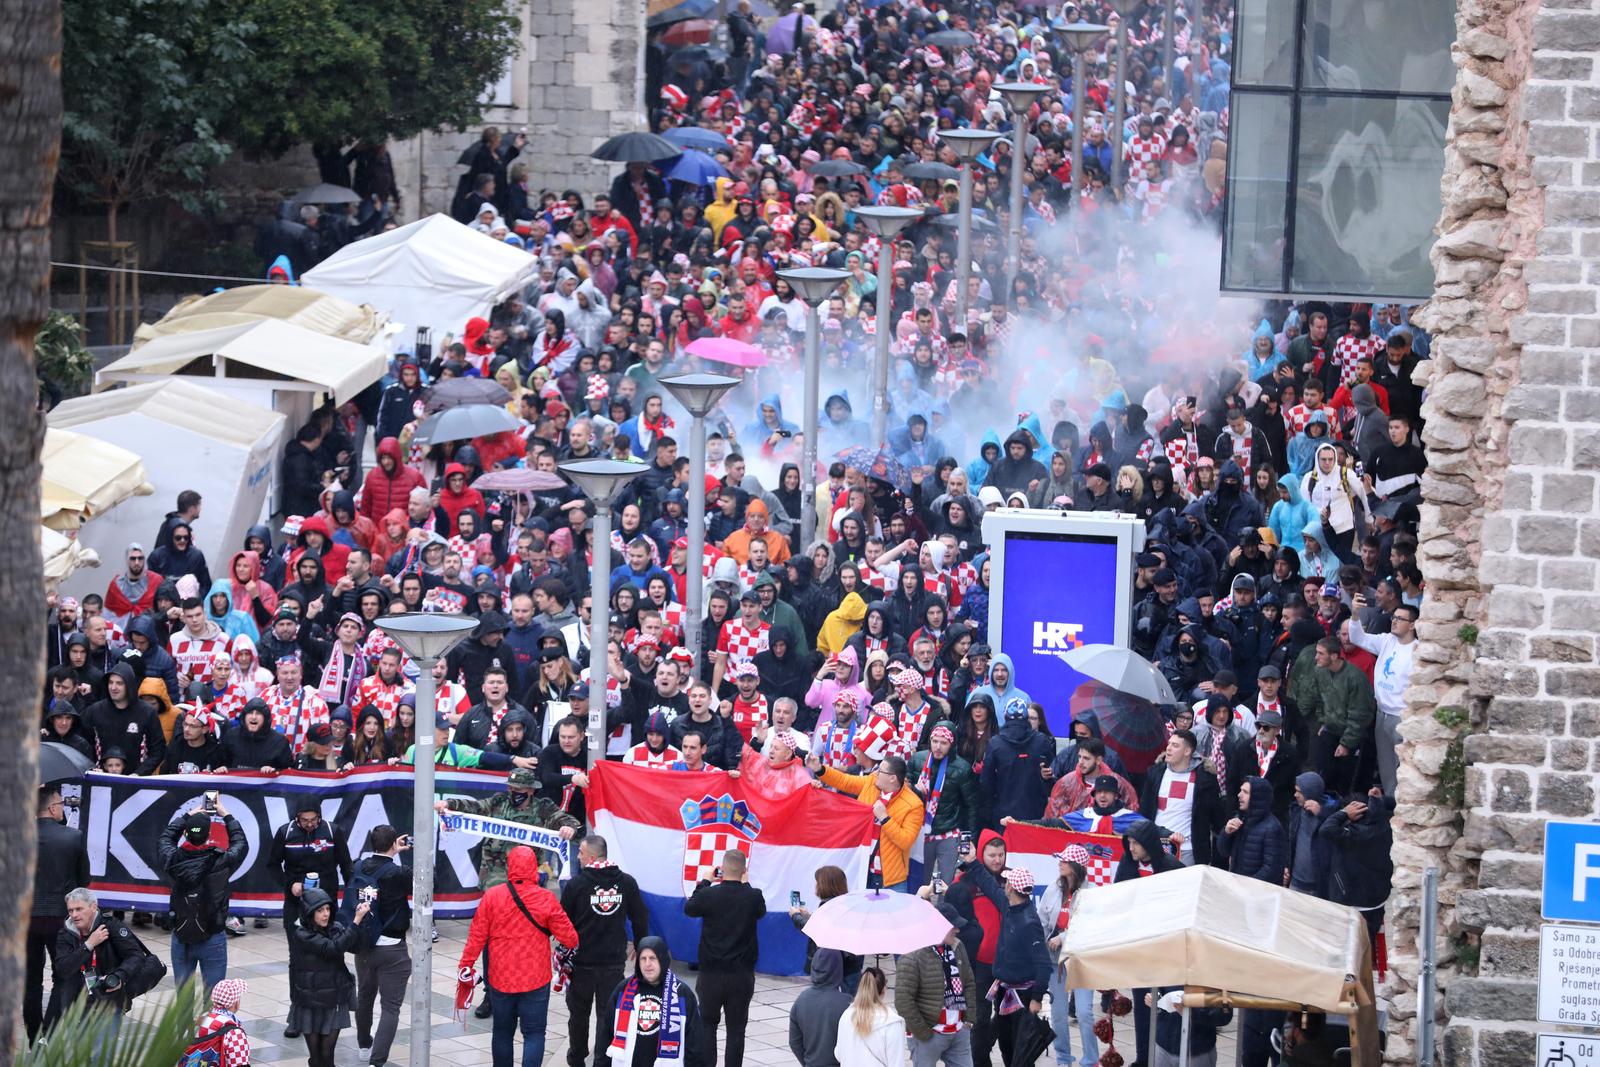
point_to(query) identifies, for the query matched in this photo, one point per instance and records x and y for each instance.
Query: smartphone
(716, 874)
(785, 433)
(966, 840)
(211, 799)
(940, 887)
(794, 898)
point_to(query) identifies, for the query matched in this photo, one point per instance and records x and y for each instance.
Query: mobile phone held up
(794, 898)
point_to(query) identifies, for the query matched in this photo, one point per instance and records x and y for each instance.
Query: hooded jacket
(318, 977)
(231, 621)
(333, 555)
(976, 896)
(172, 562)
(758, 431)
(1001, 697)
(1360, 870)
(841, 624)
(1013, 475)
(1011, 775)
(519, 955)
(1303, 446)
(978, 469)
(817, 1013)
(1148, 834)
(247, 749)
(605, 905)
(158, 662)
(261, 605)
(1258, 849)
(384, 491)
(694, 1035)
(1231, 508)
(454, 503)
(1290, 517)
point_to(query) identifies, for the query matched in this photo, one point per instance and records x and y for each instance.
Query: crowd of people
(1277, 590)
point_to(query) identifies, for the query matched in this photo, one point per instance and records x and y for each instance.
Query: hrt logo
(1056, 638)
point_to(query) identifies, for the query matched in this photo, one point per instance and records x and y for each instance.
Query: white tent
(434, 272)
(190, 437)
(83, 478)
(62, 556)
(251, 303)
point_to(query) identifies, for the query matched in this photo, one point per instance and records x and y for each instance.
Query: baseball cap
(1330, 589)
(1108, 783)
(320, 734)
(441, 721)
(1269, 718)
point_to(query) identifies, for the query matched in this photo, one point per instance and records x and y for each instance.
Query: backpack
(367, 933)
(207, 1051)
(192, 916)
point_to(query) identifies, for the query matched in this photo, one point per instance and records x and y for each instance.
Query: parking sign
(1572, 872)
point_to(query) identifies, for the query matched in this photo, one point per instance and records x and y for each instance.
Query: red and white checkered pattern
(194, 653)
(741, 643)
(1297, 417)
(1173, 787)
(294, 714)
(702, 853)
(1154, 195)
(911, 724)
(1349, 349)
(386, 698)
(746, 717)
(1140, 153)
(1183, 450)
(877, 739)
(235, 1043)
(641, 756)
(965, 574)
(230, 702)
(874, 579)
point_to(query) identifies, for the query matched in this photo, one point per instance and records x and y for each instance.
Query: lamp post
(1019, 97)
(968, 145)
(813, 285)
(1166, 48)
(885, 222)
(698, 393)
(1081, 36)
(1124, 10)
(426, 638)
(600, 479)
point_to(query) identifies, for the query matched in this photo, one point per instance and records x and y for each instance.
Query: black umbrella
(836, 168)
(930, 172)
(950, 39)
(980, 223)
(463, 423)
(58, 762)
(456, 392)
(1033, 1036)
(636, 147)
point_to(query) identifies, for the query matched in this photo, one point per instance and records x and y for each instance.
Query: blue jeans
(511, 1010)
(1062, 1025)
(210, 955)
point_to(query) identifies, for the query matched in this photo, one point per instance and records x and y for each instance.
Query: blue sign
(1060, 594)
(1572, 872)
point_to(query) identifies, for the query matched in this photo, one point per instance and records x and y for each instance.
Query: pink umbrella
(727, 350)
(520, 480)
(877, 923)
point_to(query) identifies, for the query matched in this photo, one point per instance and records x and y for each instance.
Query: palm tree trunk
(30, 141)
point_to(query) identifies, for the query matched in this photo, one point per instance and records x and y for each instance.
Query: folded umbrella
(463, 423)
(1032, 1037)
(636, 147)
(877, 923)
(58, 762)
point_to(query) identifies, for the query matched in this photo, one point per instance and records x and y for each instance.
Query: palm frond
(102, 1036)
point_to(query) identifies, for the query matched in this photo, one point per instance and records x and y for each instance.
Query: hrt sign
(1572, 872)
(1056, 638)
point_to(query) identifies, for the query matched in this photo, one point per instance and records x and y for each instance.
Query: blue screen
(1060, 592)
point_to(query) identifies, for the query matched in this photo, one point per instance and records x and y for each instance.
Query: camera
(368, 894)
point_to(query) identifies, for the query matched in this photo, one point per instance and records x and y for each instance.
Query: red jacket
(455, 503)
(382, 492)
(519, 955)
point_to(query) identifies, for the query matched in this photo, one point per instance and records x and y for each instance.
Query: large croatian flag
(1034, 847)
(669, 829)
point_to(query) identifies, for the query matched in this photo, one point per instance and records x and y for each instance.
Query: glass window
(1264, 43)
(1367, 196)
(1360, 46)
(1258, 194)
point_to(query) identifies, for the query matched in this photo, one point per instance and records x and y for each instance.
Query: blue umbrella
(697, 137)
(696, 168)
(780, 38)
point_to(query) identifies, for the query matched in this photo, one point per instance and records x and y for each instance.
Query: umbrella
(520, 480)
(980, 223)
(881, 465)
(1123, 670)
(464, 422)
(836, 168)
(871, 924)
(930, 172)
(457, 392)
(951, 39)
(636, 147)
(780, 39)
(695, 168)
(697, 137)
(698, 53)
(1031, 1038)
(727, 350)
(1131, 726)
(326, 194)
(686, 32)
(58, 762)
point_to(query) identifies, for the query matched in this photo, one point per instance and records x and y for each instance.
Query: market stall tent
(435, 273)
(62, 556)
(321, 312)
(191, 437)
(83, 478)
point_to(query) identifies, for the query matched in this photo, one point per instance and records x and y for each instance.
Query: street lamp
(1124, 10)
(968, 145)
(1081, 37)
(1166, 48)
(600, 479)
(885, 222)
(813, 285)
(1019, 97)
(427, 638)
(698, 393)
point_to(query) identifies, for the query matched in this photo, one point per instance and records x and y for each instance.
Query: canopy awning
(63, 555)
(280, 354)
(83, 477)
(322, 313)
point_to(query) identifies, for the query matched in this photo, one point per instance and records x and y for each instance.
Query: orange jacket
(896, 836)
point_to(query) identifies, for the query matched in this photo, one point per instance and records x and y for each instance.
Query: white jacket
(1339, 492)
(884, 1045)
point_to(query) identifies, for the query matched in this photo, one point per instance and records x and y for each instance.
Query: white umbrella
(1123, 670)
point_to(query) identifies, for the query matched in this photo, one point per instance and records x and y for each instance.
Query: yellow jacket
(896, 836)
(841, 624)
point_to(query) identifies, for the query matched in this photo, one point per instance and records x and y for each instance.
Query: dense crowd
(1275, 463)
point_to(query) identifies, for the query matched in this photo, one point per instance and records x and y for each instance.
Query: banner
(669, 830)
(122, 818)
(1035, 848)
(506, 830)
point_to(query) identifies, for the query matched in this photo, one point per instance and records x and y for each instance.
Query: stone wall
(1502, 717)
(577, 81)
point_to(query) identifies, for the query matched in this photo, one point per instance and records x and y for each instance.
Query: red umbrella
(1131, 726)
(520, 480)
(690, 31)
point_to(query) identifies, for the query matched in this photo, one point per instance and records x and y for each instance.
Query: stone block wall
(578, 80)
(1504, 712)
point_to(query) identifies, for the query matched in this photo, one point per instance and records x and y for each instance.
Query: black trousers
(1255, 1036)
(42, 931)
(590, 987)
(1338, 772)
(727, 992)
(983, 1035)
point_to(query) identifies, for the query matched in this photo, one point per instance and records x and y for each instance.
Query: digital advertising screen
(1060, 592)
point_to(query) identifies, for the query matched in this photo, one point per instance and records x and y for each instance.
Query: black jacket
(295, 853)
(301, 480)
(1359, 867)
(393, 906)
(728, 937)
(1258, 849)
(1206, 816)
(249, 751)
(63, 865)
(317, 973)
(1011, 776)
(554, 777)
(206, 871)
(1148, 834)
(603, 902)
(118, 955)
(208, 757)
(1243, 762)
(724, 744)
(473, 729)
(472, 658)
(1021, 957)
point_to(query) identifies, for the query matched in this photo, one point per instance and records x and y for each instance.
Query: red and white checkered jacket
(641, 756)
(295, 713)
(194, 653)
(382, 695)
(1139, 153)
(1349, 349)
(746, 717)
(1295, 419)
(235, 1043)
(1183, 450)
(740, 643)
(230, 701)
(875, 579)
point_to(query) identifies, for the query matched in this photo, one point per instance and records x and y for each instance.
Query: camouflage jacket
(493, 851)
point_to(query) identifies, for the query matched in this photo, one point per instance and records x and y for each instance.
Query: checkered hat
(1020, 879)
(907, 676)
(943, 733)
(848, 698)
(681, 657)
(744, 669)
(227, 993)
(1074, 854)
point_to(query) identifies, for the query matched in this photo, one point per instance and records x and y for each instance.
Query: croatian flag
(1035, 848)
(669, 830)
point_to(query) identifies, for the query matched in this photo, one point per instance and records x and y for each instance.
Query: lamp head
(699, 393)
(814, 284)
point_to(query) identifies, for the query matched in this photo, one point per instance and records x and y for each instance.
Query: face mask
(520, 800)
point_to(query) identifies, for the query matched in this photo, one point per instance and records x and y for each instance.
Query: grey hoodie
(814, 1018)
